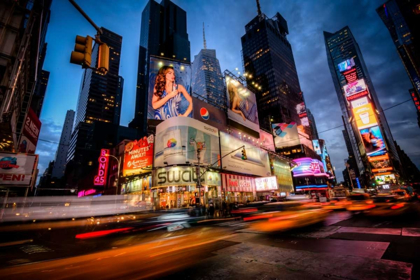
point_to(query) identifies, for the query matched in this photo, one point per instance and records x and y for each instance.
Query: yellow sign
(365, 116)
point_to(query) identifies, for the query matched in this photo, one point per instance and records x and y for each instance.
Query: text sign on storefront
(100, 179)
(17, 169)
(184, 176)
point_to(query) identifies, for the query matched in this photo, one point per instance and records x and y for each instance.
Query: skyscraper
(39, 94)
(99, 98)
(271, 73)
(207, 79)
(365, 122)
(164, 34)
(401, 17)
(63, 146)
(312, 124)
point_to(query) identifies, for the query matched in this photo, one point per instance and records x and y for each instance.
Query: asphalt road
(344, 246)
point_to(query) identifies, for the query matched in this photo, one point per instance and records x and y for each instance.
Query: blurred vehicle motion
(282, 216)
(336, 203)
(359, 202)
(60, 207)
(388, 205)
(402, 194)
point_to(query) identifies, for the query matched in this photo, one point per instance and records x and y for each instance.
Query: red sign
(138, 157)
(416, 98)
(100, 179)
(30, 133)
(358, 95)
(235, 183)
(351, 75)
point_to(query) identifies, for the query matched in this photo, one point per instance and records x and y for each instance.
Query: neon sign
(100, 179)
(308, 167)
(87, 192)
(351, 75)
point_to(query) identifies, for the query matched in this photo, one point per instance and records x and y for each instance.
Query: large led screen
(365, 116)
(281, 169)
(242, 104)
(354, 88)
(178, 139)
(385, 179)
(256, 162)
(169, 89)
(308, 167)
(346, 65)
(373, 141)
(266, 184)
(317, 147)
(285, 134)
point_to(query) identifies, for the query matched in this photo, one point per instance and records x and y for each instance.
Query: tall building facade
(39, 94)
(312, 124)
(364, 120)
(164, 34)
(99, 98)
(22, 52)
(402, 17)
(207, 78)
(63, 146)
(271, 73)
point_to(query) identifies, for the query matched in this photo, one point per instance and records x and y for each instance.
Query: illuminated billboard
(365, 116)
(237, 183)
(317, 147)
(184, 176)
(209, 114)
(350, 75)
(257, 159)
(100, 179)
(242, 105)
(138, 156)
(301, 110)
(355, 88)
(385, 179)
(380, 162)
(17, 169)
(346, 65)
(308, 167)
(285, 134)
(373, 141)
(30, 133)
(266, 141)
(359, 102)
(281, 169)
(178, 139)
(169, 89)
(266, 184)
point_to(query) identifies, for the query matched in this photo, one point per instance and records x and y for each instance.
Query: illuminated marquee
(100, 179)
(308, 167)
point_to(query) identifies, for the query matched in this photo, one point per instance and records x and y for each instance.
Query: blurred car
(388, 205)
(359, 202)
(336, 203)
(402, 194)
(287, 215)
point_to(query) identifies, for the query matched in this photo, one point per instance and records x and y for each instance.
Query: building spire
(204, 38)
(259, 8)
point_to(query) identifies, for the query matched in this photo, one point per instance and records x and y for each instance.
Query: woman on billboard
(240, 105)
(167, 95)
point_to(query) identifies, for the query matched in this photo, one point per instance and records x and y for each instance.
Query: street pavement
(349, 246)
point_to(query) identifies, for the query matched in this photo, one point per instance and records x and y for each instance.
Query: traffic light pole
(86, 16)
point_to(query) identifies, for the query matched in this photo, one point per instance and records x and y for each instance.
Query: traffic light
(244, 154)
(82, 54)
(103, 59)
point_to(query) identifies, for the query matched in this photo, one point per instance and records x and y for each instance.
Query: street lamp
(118, 175)
(199, 147)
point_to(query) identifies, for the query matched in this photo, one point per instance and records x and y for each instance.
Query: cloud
(49, 138)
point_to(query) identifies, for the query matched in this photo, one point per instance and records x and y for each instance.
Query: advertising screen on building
(301, 110)
(169, 89)
(266, 141)
(266, 184)
(138, 156)
(137, 185)
(365, 116)
(285, 134)
(385, 179)
(308, 167)
(350, 75)
(178, 139)
(317, 147)
(237, 183)
(359, 102)
(380, 162)
(17, 169)
(346, 65)
(373, 141)
(257, 159)
(242, 105)
(281, 169)
(30, 133)
(355, 88)
(209, 114)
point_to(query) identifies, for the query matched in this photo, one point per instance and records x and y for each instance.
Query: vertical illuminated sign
(416, 98)
(100, 179)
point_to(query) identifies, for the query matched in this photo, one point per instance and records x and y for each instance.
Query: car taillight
(397, 206)
(369, 201)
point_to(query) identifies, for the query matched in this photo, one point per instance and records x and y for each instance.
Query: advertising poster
(137, 185)
(242, 105)
(301, 110)
(237, 183)
(178, 139)
(266, 141)
(285, 135)
(346, 65)
(380, 162)
(373, 141)
(317, 147)
(365, 116)
(266, 184)
(138, 156)
(209, 114)
(350, 75)
(30, 133)
(281, 169)
(17, 169)
(359, 102)
(354, 88)
(257, 159)
(385, 179)
(308, 167)
(167, 75)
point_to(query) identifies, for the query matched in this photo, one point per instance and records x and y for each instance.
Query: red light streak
(100, 233)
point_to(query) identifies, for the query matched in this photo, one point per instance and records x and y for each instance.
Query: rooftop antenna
(259, 8)
(204, 38)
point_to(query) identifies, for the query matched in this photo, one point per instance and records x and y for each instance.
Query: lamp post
(199, 147)
(118, 174)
